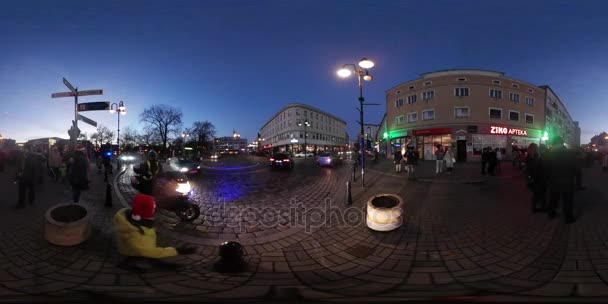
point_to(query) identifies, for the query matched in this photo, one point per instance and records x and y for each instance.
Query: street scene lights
(184, 138)
(120, 109)
(305, 124)
(362, 74)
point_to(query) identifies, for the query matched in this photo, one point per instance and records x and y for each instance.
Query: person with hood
(79, 173)
(29, 173)
(136, 236)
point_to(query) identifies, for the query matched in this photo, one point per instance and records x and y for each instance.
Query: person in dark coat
(561, 173)
(580, 163)
(492, 161)
(484, 160)
(397, 158)
(537, 179)
(2, 159)
(79, 173)
(29, 173)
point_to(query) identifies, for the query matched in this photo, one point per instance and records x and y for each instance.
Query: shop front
(427, 141)
(504, 138)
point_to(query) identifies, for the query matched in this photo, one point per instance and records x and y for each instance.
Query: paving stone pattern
(459, 240)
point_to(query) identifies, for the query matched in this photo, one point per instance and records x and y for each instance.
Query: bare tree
(83, 136)
(162, 121)
(129, 137)
(102, 136)
(202, 132)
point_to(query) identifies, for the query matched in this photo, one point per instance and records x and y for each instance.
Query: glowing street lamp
(362, 75)
(306, 124)
(120, 109)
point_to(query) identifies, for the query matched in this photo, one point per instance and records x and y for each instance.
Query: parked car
(281, 160)
(184, 165)
(302, 155)
(328, 159)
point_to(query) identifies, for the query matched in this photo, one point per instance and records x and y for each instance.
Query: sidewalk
(463, 173)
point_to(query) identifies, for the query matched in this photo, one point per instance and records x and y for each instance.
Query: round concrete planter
(384, 212)
(67, 225)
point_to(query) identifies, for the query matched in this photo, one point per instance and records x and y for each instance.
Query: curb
(431, 180)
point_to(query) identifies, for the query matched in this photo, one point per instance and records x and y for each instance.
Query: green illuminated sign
(545, 136)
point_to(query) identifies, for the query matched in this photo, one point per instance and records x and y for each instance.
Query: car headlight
(183, 170)
(198, 167)
(183, 188)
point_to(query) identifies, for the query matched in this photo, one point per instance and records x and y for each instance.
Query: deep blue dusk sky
(236, 63)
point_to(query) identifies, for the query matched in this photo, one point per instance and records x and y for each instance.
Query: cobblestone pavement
(460, 241)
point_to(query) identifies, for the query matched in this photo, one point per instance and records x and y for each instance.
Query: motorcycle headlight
(183, 170)
(183, 188)
(198, 167)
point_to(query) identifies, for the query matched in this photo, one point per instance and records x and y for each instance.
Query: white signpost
(74, 132)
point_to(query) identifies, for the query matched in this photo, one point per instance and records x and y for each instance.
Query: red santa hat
(143, 207)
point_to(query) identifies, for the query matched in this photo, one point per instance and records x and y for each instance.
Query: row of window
(462, 92)
(463, 112)
(461, 79)
(309, 136)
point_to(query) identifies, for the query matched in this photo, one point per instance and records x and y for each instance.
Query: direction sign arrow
(87, 120)
(69, 85)
(80, 93)
(94, 106)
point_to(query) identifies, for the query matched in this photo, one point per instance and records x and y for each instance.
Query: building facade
(285, 131)
(229, 143)
(469, 110)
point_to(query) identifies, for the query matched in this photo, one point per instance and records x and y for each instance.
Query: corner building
(469, 110)
(285, 131)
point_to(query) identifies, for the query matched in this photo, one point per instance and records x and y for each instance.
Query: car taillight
(272, 159)
(287, 160)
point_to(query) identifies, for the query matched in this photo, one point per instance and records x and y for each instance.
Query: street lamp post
(120, 109)
(235, 137)
(184, 136)
(362, 74)
(306, 125)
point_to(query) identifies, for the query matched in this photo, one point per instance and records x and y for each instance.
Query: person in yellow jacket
(136, 235)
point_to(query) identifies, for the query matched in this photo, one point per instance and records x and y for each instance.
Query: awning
(433, 131)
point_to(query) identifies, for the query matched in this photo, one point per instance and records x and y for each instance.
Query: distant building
(46, 143)
(229, 143)
(285, 130)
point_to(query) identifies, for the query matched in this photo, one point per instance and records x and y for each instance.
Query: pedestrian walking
(484, 160)
(79, 173)
(449, 160)
(537, 177)
(492, 161)
(29, 172)
(412, 161)
(55, 162)
(561, 165)
(136, 235)
(439, 159)
(397, 158)
(499, 157)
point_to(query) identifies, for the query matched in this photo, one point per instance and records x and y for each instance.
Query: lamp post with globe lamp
(120, 109)
(362, 74)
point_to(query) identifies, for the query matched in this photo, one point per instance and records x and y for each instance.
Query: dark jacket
(79, 171)
(30, 167)
(397, 157)
(561, 169)
(412, 157)
(535, 167)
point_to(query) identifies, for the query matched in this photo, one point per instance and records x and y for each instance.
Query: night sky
(236, 63)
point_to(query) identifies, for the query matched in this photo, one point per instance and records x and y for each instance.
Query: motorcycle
(172, 192)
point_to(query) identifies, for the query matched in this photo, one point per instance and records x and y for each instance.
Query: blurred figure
(499, 156)
(2, 160)
(580, 162)
(29, 172)
(439, 156)
(55, 162)
(397, 158)
(136, 235)
(484, 160)
(492, 160)
(412, 161)
(561, 173)
(79, 173)
(151, 168)
(449, 160)
(537, 179)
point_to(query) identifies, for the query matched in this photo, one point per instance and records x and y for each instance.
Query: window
(495, 113)
(529, 118)
(462, 79)
(531, 91)
(411, 99)
(399, 120)
(514, 115)
(399, 103)
(428, 95)
(496, 94)
(398, 92)
(428, 83)
(514, 97)
(412, 117)
(515, 85)
(461, 112)
(428, 114)
(411, 87)
(530, 101)
(496, 81)
(461, 92)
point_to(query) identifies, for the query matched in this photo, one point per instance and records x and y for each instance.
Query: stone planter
(384, 212)
(67, 225)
